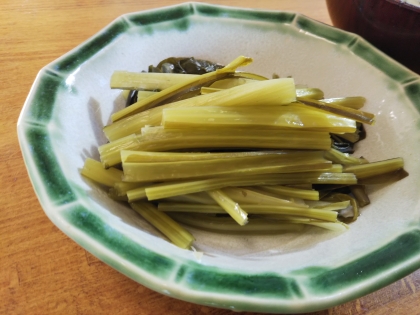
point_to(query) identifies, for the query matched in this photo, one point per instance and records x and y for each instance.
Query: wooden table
(41, 270)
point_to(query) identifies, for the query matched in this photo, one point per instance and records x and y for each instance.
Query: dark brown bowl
(390, 25)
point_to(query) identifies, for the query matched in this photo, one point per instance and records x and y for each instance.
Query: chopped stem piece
(147, 80)
(357, 115)
(276, 92)
(176, 139)
(355, 102)
(359, 193)
(95, 171)
(334, 206)
(343, 158)
(260, 117)
(133, 124)
(239, 78)
(110, 153)
(195, 198)
(292, 192)
(375, 168)
(158, 139)
(353, 203)
(145, 156)
(311, 213)
(384, 178)
(336, 226)
(350, 137)
(312, 93)
(177, 90)
(144, 94)
(257, 93)
(165, 224)
(207, 90)
(136, 194)
(227, 225)
(136, 172)
(230, 206)
(113, 194)
(121, 188)
(285, 162)
(166, 190)
(249, 196)
(240, 195)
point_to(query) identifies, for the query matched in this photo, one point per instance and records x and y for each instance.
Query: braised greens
(214, 148)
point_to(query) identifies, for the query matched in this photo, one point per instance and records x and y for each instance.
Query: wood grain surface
(41, 270)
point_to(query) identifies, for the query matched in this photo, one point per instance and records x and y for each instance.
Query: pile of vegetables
(211, 147)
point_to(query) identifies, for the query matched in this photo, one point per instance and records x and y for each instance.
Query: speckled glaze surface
(70, 101)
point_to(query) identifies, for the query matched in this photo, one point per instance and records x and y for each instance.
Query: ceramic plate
(70, 101)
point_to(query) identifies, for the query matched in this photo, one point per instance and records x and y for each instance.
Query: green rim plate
(69, 103)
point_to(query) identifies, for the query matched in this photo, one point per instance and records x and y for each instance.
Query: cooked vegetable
(360, 194)
(354, 206)
(367, 170)
(157, 139)
(259, 117)
(235, 152)
(320, 214)
(94, 170)
(121, 188)
(230, 206)
(125, 80)
(254, 195)
(292, 192)
(348, 112)
(384, 178)
(172, 93)
(246, 195)
(138, 193)
(227, 225)
(312, 93)
(170, 189)
(355, 102)
(282, 162)
(345, 142)
(343, 158)
(144, 156)
(275, 92)
(339, 205)
(170, 228)
(185, 65)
